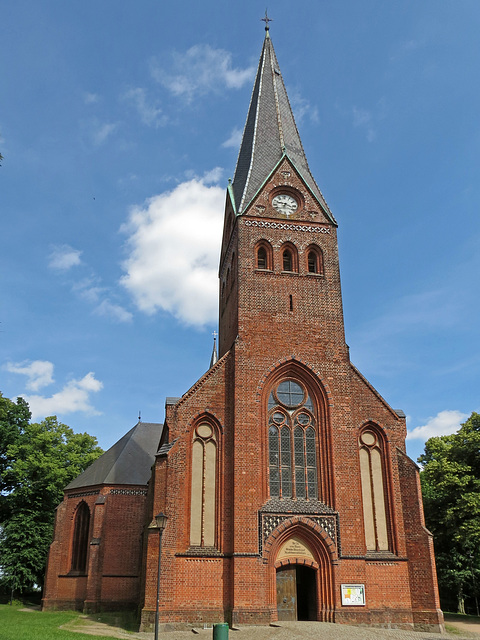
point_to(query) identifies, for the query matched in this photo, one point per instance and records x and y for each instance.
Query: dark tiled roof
(270, 133)
(128, 461)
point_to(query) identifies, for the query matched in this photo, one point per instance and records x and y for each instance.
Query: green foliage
(451, 496)
(14, 418)
(38, 460)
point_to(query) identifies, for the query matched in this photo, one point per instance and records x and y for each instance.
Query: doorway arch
(301, 556)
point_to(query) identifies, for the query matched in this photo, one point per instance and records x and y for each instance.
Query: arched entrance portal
(296, 581)
(301, 555)
(296, 592)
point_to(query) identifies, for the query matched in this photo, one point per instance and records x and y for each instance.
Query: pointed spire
(214, 357)
(270, 134)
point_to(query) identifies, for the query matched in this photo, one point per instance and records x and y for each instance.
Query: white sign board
(353, 595)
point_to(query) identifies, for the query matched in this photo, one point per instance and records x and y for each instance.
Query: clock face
(284, 203)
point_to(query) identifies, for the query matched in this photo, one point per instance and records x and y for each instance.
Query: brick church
(282, 471)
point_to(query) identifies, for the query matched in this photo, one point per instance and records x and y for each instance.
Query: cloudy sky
(120, 125)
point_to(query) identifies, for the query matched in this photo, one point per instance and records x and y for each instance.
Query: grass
(21, 623)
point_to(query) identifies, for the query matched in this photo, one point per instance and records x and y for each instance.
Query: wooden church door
(296, 593)
(287, 593)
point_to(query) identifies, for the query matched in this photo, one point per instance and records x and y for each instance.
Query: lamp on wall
(161, 520)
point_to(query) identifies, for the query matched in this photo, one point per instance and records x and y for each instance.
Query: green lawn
(16, 623)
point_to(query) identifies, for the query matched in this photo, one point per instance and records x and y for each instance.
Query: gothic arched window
(374, 491)
(264, 256)
(204, 481)
(287, 260)
(261, 258)
(80, 538)
(315, 260)
(292, 442)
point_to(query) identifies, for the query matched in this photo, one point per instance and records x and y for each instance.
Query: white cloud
(173, 244)
(38, 372)
(364, 119)
(75, 396)
(234, 140)
(302, 108)
(64, 257)
(89, 289)
(200, 70)
(101, 131)
(213, 176)
(150, 114)
(443, 424)
(115, 311)
(90, 98)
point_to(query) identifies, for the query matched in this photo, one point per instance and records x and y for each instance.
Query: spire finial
(214, 358)
(139, 416)
(266, 19)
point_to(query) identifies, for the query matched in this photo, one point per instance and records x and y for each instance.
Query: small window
(262, 258)
(315, 260)
(287, 260)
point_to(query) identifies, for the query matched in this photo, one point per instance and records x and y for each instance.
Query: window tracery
(292, 442)
(203, 491)
(372, 469)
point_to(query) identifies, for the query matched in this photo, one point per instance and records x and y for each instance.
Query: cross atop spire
(266, 19)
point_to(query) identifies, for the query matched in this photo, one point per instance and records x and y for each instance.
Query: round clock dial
(284, 203)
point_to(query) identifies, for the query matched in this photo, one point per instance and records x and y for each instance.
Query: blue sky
(120, 125)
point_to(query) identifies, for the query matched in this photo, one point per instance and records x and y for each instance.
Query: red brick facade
(347, 509)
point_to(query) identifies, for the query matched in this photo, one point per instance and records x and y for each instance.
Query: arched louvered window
(314, 260)
(80, 538)
(203, 493)
(292, 442)
(374, 494)
(264, 255)
(287, 260)
(261, 258)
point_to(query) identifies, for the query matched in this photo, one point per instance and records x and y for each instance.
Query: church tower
(282, 472)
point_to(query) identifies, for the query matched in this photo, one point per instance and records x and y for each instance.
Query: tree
(451, 496)
(14, 418)
(38, 460)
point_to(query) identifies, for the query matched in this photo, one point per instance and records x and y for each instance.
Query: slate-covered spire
(270, 133)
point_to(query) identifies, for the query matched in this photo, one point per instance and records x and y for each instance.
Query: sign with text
(294, 547)
(353, 595)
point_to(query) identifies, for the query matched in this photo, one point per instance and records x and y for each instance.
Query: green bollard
(220, 631)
